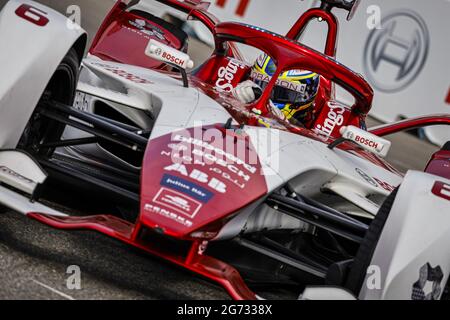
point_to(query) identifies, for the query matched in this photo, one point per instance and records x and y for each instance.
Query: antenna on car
(349, 5)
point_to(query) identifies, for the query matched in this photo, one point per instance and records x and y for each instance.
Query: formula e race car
(134, 142)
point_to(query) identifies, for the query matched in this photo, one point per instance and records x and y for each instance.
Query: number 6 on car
(33, 15)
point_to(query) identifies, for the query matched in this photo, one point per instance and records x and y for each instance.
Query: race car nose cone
(189, 182)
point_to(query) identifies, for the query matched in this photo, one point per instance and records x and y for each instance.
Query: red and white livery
(165, 159)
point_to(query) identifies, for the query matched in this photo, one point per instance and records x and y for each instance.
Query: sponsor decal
(366, 177)
(170, 57)
(178, 202)
(442, 190)
(367, 142)
(14, 174)
(335, 118)
(396, 53)
(298, 73)
(138, 23)
(122, 73)
(385, 185)
(226, 75)
(187, 187)
(33, 15)
(198, 176)
(168, 214)
(428, 286)
(297, 87)
(220, 156)
(147, 29)
(162, 52)
(375, 181)
(189, 176)
(214, 167)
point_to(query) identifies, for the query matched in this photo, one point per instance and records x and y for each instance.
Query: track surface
(34, 258)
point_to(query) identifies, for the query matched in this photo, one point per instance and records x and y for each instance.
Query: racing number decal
(33, 15)
(240, 10)
(442, 190)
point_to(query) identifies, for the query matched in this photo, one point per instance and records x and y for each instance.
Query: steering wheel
(291, 55)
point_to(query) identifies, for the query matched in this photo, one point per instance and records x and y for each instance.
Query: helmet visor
(300, 93)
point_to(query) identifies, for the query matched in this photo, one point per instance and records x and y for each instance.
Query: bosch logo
(351, 136)
(158, 51)
(396, 54)
(367, 142)
(171, 58)
(161, 52)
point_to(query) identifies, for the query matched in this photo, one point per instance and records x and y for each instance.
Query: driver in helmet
(292, 97)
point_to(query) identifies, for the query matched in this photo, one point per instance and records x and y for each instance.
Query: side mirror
(173, 57)
(326, 293)
(366, 140)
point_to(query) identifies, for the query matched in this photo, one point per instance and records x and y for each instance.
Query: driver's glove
(277, 112)
(245, 91)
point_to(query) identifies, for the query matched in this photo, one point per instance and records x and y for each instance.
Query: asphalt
(34, 259)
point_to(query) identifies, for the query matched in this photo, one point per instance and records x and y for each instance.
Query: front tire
(61, 88)
(367, 248)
